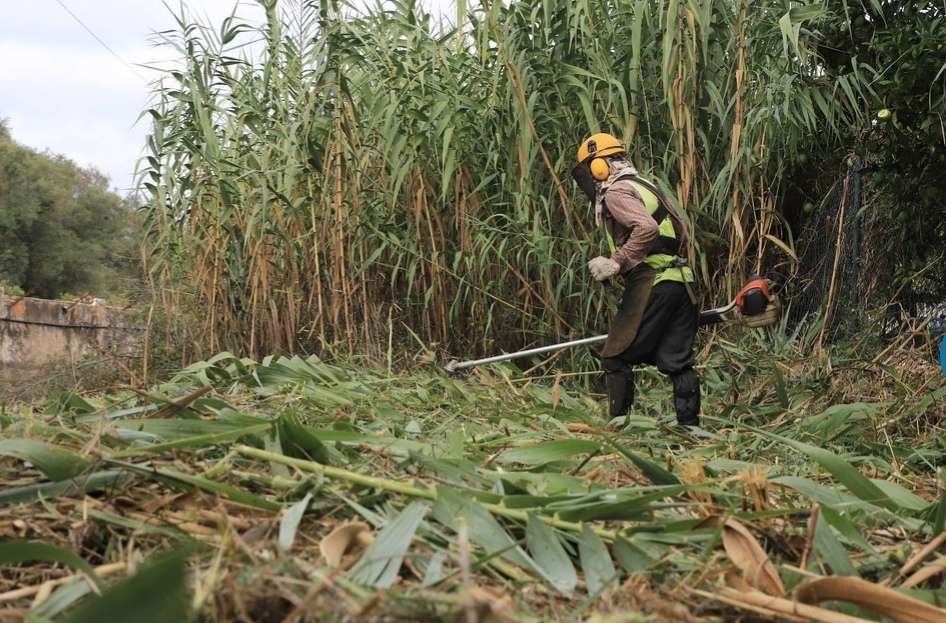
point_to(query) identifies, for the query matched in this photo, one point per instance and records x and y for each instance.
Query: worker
(656, 320)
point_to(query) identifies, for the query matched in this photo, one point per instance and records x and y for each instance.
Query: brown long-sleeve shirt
(633, 229)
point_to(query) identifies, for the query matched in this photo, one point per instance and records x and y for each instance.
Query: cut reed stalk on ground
(793, 482)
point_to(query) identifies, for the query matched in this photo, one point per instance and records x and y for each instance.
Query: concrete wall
(34, 332)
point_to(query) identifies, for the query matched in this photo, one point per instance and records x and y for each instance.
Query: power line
(99, 39)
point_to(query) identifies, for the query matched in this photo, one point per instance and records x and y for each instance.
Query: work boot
(686, 397)
(620, 386)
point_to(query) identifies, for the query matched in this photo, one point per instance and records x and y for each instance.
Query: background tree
(61, 228)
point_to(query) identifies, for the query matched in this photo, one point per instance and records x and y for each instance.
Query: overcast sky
(62, 90)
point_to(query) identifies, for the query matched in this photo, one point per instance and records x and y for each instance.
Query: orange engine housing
(754, 297)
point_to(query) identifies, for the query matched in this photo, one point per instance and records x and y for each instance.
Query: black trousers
(666, 334)
(665, 339)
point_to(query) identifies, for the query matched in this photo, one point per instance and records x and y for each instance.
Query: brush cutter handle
(716, 315)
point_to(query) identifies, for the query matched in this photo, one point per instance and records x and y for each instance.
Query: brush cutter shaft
(455, 365)
(708, 316)
(726, 313)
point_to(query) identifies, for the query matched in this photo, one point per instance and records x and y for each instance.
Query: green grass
(493, 482)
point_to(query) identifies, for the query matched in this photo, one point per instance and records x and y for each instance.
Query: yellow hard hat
(599, 146)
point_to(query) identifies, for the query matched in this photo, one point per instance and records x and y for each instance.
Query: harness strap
(664, 244)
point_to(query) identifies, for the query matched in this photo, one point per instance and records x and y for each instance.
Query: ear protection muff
(598, 166)
(599, 169)
(593, 168)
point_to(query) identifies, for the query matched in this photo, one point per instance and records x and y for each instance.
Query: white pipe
(455, 365)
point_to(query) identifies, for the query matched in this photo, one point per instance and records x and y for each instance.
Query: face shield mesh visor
(582, 176)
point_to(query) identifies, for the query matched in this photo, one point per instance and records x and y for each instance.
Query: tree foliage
(899, 49)
(61, 228)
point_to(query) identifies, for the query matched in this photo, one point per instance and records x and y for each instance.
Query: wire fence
(845, 270)
(834, 279)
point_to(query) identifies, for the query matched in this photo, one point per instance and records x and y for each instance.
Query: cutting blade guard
(754, 298)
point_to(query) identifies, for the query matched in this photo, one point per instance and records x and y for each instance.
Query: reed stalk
(375, 164)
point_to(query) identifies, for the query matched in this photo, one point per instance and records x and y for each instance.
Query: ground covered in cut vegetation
(291, 489)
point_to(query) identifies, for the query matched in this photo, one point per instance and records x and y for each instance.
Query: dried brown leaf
(745, 552)
(692, 472)
(918, 557)
(155, 504)
(778, 608)
(484, 606)
(557, 390)
(925, 573)
(346, 539)
(781, 245)
(874, 597)
(756, 483)
(735, 580)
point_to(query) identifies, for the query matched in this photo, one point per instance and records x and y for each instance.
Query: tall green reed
(359, 178)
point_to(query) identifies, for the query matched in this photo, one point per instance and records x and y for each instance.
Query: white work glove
(603, 268)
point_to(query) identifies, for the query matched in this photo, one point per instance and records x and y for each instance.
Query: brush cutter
(752, 307)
